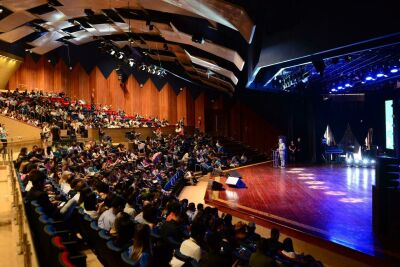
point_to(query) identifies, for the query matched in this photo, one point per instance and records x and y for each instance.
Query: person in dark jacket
(38, 193)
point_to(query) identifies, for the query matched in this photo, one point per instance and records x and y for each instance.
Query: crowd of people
(37, 108)
(125, 191)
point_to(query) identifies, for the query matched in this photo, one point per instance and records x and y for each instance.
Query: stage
(326, 205)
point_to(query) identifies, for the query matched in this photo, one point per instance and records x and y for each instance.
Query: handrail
(25, 240)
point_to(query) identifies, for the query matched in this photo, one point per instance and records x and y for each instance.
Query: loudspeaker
(216, 186)
(235, 182)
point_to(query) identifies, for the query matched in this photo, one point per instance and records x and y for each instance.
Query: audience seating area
(123, 205)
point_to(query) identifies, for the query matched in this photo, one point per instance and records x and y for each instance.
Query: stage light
(372, 161)
(369, 78)
(365, 161)
(112, 52)
(349, 161)
(340, 87)
(121, 55)
(380, 75)
(356, 161)
(394, 70)
(333, 90)
(347, 85)
(131, 62)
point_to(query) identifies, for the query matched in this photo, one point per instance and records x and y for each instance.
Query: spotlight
(112, 52)
(131, 62)
(347, 85)
(70, 67)
(369, 78)
(365, 161)
(349, 161)
(372, 161)
(49, 61)
(356, 161)
(380, 75)
(394, 70)
(121, 55)
(340, 87)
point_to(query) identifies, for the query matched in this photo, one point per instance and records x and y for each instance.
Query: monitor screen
(389, 124)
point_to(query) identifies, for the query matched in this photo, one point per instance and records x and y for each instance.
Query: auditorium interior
(154, 133)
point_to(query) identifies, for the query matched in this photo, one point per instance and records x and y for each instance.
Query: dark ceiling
(218, 44)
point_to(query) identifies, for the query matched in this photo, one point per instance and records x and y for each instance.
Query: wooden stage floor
(329, 205)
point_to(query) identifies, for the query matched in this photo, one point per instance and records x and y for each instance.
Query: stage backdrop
(144, 99)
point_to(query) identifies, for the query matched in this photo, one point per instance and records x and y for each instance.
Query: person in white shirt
(190, 247)
(107, 218)
(282, 152)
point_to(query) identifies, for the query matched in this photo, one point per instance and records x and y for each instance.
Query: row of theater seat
(176, 183)
(56, 244)
(101, 242)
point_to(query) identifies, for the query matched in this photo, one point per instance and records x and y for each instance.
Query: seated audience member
(162, 255)
(22, 157)
(129, 207)
(273, 242)
(37, 193)
(191, 211)
(90, 204)
(260, 258)
(252, 236)
(172, 230)
(140, 250)
(107, 218)
(191, 247)
(123, 230)
(214, 257)
(288, 250)
(243, 159)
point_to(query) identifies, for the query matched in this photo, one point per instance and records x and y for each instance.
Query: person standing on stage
(299, 150)
(292, 152)
(282, 152)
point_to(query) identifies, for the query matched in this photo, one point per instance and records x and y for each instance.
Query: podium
(275, 158)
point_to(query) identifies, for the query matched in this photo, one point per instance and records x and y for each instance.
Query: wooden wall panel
(199, 112)
(59, 77)
(173, 111)
(77, 84)
(181, 105)
(190, 121)
(84, 86)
